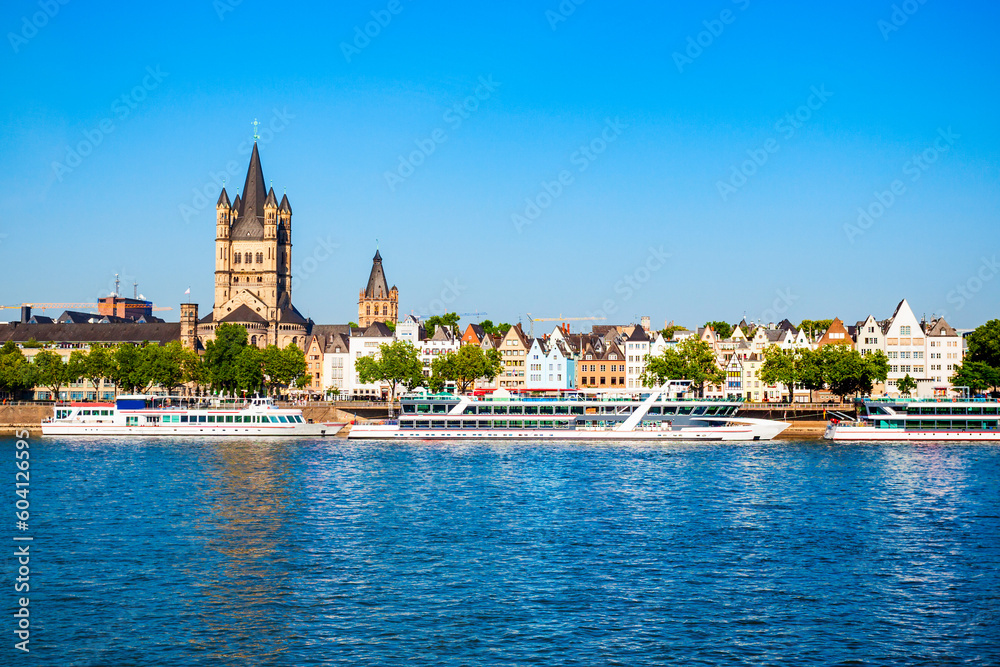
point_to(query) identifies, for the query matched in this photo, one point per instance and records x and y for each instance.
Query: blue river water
(315, 552)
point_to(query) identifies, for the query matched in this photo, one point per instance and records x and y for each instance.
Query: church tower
(253, 264)
(376, 302)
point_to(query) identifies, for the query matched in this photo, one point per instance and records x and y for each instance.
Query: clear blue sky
(779, 239)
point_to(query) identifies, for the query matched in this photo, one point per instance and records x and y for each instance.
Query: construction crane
(65, 306)
(557, 319)
(475, 315)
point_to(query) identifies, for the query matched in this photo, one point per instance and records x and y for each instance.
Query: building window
(260, 258)
(236, 258)
(904, 331)
(368, 310)
(247, 258)
(385, 310)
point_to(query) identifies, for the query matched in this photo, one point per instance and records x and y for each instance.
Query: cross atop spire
(255, 126)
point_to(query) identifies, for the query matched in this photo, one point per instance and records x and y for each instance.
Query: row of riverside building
(253, 289)
(614, 357)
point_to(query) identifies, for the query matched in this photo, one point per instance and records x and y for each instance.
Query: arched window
(368, 310)
(236, 258)
(247, 258)
(385, 310)
(253, 340)
(260, 258)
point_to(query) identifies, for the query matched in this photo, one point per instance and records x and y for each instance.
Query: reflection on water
(248, 503)
(335, 552)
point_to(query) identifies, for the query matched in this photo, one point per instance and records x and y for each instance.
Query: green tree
(162, 366)
(465, 365)
(221, 355)
(906, 385)
(814, 328)
(283, 367)
(494, 329)
(353, 325)
(978, 376)
(984, 344)
(195, 370)
(76, 366)
(248, 371)
(812, 371)
(15, 370)
(691, 359)
(397, 364)
(668, 332)
(449, 320)
(848, 372)
(782, 366)
(126, 368)
(721, 329)
(50, 371)
(98, 365)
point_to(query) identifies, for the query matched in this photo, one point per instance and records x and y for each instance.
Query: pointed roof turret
(237, 202)
(223, 200)
(377, 287)
(250, 223)
(271, 201)
(285, 207)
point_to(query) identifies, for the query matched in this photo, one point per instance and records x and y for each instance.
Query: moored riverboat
(657, 415)
(142, 415)
(920, 419)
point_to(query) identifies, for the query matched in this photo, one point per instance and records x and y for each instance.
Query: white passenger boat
(920, 419)
(180, 416)
(572, 416)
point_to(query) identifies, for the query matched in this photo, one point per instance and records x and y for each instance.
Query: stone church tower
(377, 303)
(253, 265)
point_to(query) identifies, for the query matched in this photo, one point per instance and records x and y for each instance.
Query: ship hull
(756, 430)
(272, 431)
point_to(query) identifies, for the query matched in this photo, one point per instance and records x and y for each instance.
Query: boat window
(943, 411)
(576, 410)
(712, 410)
(517, 410)
(471, 410)
(989, 411)
(229, 419)
(440, 408)
(684, 410)
(546, 410)
(654, 411)
(423, 423)
(423, 408)
(976, 410)
(405, 423)
(283, 419)
(502, 423)
(469, 423)
(974, 426)
(211, 419)
(531, 409)
(545, 424)
(408, 409)
(562, 423)
(515, 423)
(437, 424)
(454, 423)
(184, 419)
(530, 423)
(562, 409)
(499, 409)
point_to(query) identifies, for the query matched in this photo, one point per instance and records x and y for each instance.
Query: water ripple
(335, 552)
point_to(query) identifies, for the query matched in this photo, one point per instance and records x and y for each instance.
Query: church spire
(250, 222)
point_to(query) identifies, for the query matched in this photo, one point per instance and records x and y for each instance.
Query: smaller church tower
(223, 223)
(189, 325)
(376, 302)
